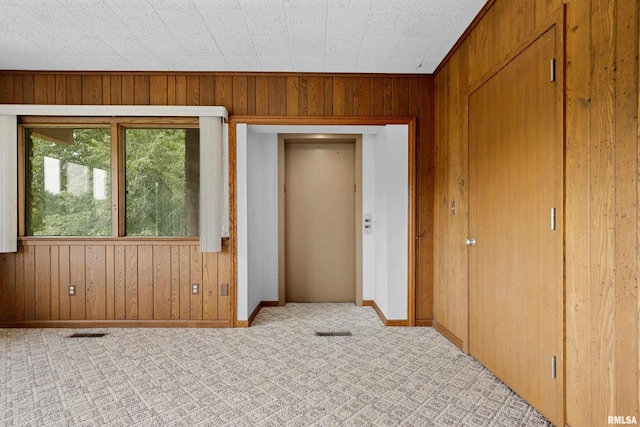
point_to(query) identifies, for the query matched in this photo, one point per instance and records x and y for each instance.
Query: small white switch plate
(368, 223)
(195, 289)
(72, 290)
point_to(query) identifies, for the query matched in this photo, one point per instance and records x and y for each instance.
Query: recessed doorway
(320, 178)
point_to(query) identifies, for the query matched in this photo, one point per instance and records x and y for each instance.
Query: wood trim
(448, 335)
(115, 324)
(111, 241)
(247, 323)
(412, 234)
(209, 73)
(424, 322)
(112, 110)
(385, 321)
(319, 120)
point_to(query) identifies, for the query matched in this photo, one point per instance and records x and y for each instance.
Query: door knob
(470, 242)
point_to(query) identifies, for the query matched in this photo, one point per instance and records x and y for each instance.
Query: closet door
(515, 192)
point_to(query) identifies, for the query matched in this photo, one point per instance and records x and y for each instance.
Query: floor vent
(86, 335)
(333, 334)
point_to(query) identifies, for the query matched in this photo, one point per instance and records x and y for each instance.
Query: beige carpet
(276, 373)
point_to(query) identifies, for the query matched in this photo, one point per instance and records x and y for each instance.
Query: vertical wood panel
(315, 96)
(92, 89)
(387, 106)
(7, 93)
(208, 90)
(349, 91)
(210, 286)
(106, 89)
(339, 102)
(224, 91)
(328, 96)
(120, 283)
(224, 276)
(377, 96)
(65, 280)
(127, 87)
(141, 90)
(196, 277)
(96, 283)
(40, 88)
(293, 96)
(74, 89)
(181, 90)
(303, 91)
(27, 89)
(277, 96)
(251, 95)
(145, 282)
(240, 102)
(55, 283)
(626, 207)
(116, 90)
(262, 95)
(185, 283)
(158, 90)
(362, 96)
(78, 278)
(193, 90)
(400, 96)
(29, 292)
(110, 282)
(7, 286)
(42, 264)
(162, 282)
(131, 277)
(175, 282)
(171, 90)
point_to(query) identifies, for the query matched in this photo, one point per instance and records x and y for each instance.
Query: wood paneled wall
(601, 191)
(115, 281)
(265, 95)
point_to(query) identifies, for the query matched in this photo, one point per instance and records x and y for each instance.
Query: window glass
(162, 180)
(68, 182)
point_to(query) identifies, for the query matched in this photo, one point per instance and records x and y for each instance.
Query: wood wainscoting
(118, 282)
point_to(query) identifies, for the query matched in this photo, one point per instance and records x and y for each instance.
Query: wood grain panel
(240, 102)
(55, 282)
(65, 281)
(27, 89)
(315, 96)
(626, 210)
(141, 90)
(387, 106)
(251, 95)
(349, 92)
(92, 89)
(362, 96)
(339, 96)
(145, 282)
(277, 95)
(400, 90)
(28, 265)
(224, 91)
(116, 90)
(6, 88)
(193, 90)
(175, 282)
(162, 282)
(119, 283)
(40, 89)
(17, 89)
(42, 278)
(158, 90)
(7, 286)
(171, 90)
(207, 90)
(195, 275)
(224, 277)
(181, 90)
(61, 89)
(106, 89)
(77, 277)
(185, 283)
(293, 96)
(127, 87)
(209, 286)
(96, 283)
(74, 89)
(131, 282)
(109, 260)
(328, 96)
(262, 96)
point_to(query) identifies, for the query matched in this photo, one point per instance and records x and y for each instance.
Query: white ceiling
(368, 36)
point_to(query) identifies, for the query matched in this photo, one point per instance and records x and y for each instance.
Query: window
(162, 182)
(114, 178)
(68, 182)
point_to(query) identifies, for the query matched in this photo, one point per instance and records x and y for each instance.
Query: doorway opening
(320, 206)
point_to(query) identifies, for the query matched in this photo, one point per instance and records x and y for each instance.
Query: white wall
(384, 193)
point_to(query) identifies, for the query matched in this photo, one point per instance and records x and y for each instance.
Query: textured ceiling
(368, 36)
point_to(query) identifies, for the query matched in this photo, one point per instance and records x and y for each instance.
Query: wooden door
(516, 265)
(319, 222)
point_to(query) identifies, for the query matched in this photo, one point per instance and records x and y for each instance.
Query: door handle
(470, 242)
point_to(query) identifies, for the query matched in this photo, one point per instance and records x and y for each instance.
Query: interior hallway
(275, 373)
